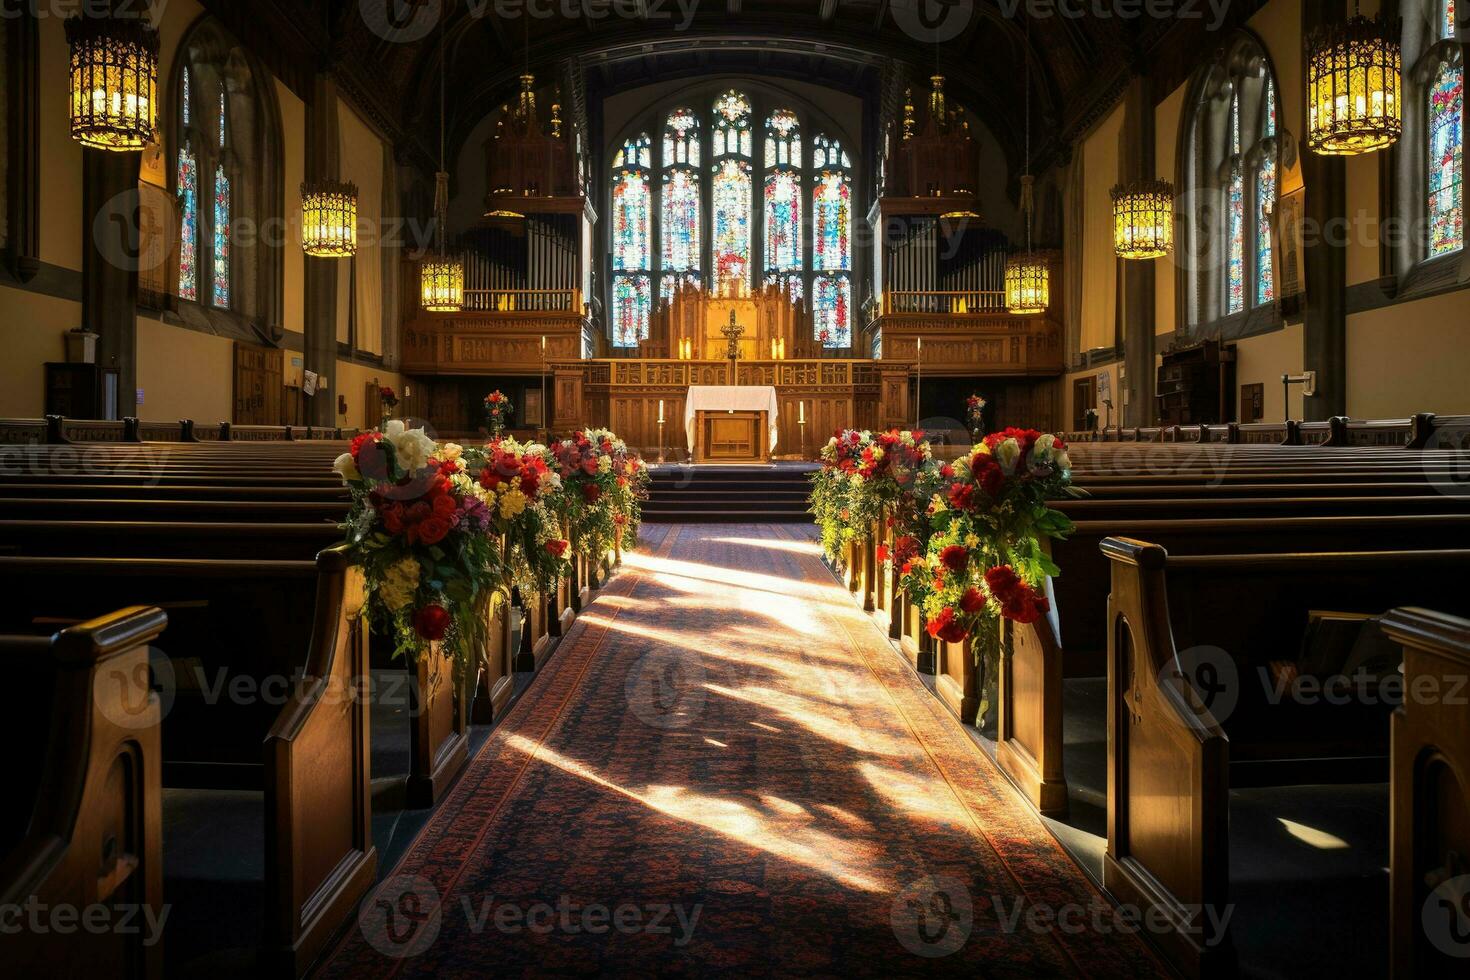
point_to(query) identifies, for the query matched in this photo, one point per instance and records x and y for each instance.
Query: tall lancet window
(730, 193)
(1228, 178)
(221, 218)
(832, 238)
(631, 234)
(1235, 210)
(1443, 71)
(680, 210)
(188, 201)
(783, 194)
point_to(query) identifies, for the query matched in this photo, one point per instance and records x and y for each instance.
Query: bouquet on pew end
(607, 484)
(421, 527)
(863, 480)
(989, 518)
(524, 492)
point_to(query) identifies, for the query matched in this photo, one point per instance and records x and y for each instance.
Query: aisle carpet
(725, 768)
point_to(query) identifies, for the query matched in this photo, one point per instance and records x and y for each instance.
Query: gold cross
(733, 332)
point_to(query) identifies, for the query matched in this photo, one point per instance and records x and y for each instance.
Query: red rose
(955, 558)
(391, 514)
(489, 479)
(591, 493)
(1025, 605)
(988, 474)
(1002, 580)
(557, 548)
(881, 553)
(589, 465)
(945, 628)
(962, 496)
(431, 622)
(432, 530)
(972, 601)
(905, 547)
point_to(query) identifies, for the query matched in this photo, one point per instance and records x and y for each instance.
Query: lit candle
(543, 343)
(660, 409)
(801, 411)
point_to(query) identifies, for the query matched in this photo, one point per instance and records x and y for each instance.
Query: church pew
(161, 539)
(299, 622)
(1072, 639)
(1177, 743)
(285, 511)
(1430, 790)
(83, 818)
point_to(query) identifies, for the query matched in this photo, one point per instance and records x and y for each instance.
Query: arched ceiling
(386, 52)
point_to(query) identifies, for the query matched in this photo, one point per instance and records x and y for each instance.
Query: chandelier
(1353, 77)
(1027, 275)
(114, 81)
(1143, 219)
(441, 278)
(1028, 284)
(329, 219)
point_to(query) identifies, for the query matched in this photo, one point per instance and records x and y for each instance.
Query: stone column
(1136, 162)
(111, 254)
(319, 319)
(1324, 257)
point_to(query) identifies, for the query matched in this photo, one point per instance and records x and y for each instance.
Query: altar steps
(728, 494)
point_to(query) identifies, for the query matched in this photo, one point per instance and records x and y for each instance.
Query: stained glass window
(783, 221)
(680, 201)
(1235, 204)
(831, 309)
(783, 139)
(632, 301)
(1265, 207)
(730, 240)
(221, 238)
(1445, 164)
(188, 205)
(732, 125)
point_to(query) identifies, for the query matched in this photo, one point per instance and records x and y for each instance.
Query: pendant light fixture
(1143, 219)
(329, 218)
(1027, 277)
(1354, 72)
(441, 277)
(114, 81)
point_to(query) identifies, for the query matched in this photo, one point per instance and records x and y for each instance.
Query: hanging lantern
(114, 81)
(1143, 219)
(1028, 284)
(442, 281)
(329, 219)
(1353, 78)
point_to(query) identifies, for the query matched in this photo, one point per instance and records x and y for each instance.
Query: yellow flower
(399, 584)
(512, 502)
(972, 541)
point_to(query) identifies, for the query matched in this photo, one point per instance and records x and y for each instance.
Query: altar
(731, 423)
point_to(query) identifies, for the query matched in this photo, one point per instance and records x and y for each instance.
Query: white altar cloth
(730, 398)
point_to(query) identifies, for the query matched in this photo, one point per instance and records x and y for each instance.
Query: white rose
(451, 451)
(550, 481)
(1007, 455)
(1044, 446)
(412, 446)
(1063, 461)
(346, 467)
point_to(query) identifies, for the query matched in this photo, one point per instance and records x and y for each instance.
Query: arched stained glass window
(1445, 113)
(188, 203)
(729, 215)
(783, 194)
(680, 212)
(1266, 203)
(730, 194)
(1229, 176)
(220, 219)
(631, 234)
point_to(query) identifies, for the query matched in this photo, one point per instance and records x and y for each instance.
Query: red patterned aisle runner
(726, 769)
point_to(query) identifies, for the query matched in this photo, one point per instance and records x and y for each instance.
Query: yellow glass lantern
(1143, 219)
(1354, 72)
(1028, 284)
(114, 81)
(329, 219)
(442, 283)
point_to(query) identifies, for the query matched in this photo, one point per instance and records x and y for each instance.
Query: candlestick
(801, 411)
(660, 411)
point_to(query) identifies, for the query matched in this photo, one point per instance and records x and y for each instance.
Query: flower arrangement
(498, 409)
(389, 399)
(419, 527)
(975, 416)
(606, 484)
(989, 516)
(863, 477)
(526, 490)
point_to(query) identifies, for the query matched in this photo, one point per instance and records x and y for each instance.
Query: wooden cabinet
(1196, 383)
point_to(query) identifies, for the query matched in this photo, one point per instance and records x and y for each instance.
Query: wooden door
(258, 384)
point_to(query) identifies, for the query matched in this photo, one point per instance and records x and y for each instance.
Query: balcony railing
(946, 302)
(522, 301)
